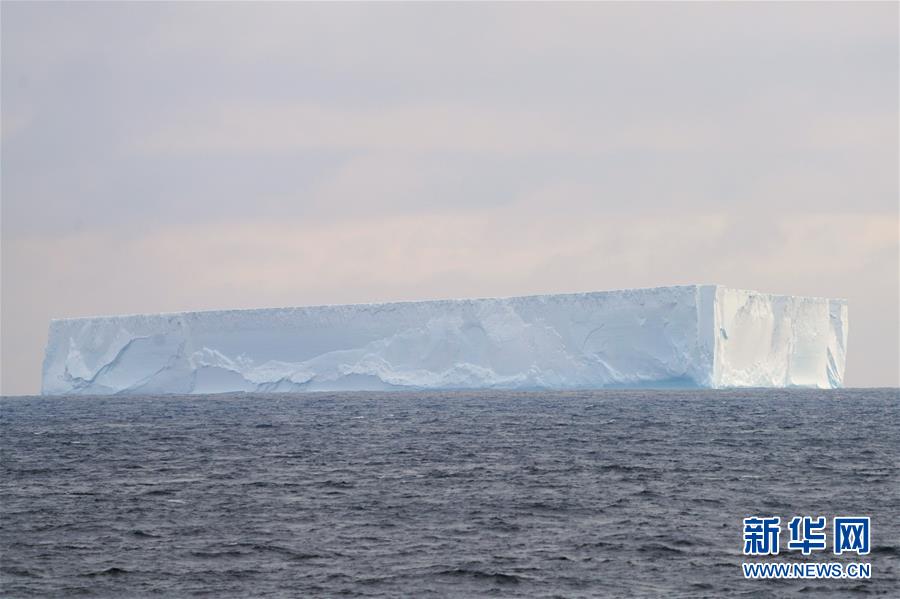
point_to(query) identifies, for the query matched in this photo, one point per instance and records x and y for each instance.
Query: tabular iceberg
(686, 336)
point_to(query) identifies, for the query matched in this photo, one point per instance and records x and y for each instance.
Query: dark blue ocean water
(613, 493)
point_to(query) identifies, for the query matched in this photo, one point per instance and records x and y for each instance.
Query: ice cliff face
(688, 336)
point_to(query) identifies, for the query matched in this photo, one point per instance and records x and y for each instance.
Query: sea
(615, 493)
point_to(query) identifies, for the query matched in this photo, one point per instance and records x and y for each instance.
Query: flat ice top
(392, 303)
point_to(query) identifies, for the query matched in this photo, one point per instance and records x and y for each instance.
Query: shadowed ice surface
(620, 493)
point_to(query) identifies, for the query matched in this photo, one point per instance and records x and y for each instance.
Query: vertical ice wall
(765, 340)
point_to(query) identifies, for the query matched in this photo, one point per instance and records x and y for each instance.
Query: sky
(184, 156)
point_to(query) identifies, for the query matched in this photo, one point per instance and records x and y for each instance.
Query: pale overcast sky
(181, 156)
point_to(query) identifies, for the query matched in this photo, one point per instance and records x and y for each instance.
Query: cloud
(255, 127)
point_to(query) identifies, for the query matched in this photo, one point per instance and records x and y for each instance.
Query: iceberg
(692, 336)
